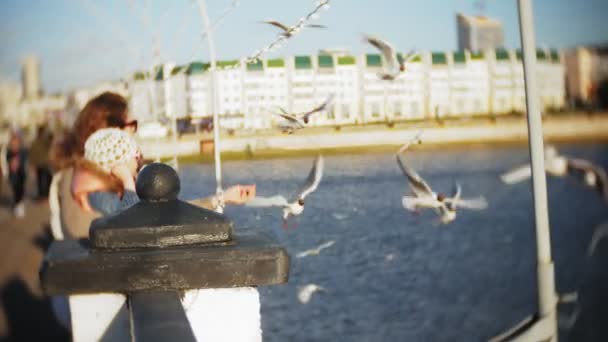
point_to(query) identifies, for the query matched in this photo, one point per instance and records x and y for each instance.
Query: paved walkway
(25, 314)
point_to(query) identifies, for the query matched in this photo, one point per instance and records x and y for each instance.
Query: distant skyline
(83, 42)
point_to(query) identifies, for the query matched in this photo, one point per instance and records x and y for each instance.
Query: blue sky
(81, 42)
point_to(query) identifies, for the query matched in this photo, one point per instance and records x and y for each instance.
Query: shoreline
(473, 132)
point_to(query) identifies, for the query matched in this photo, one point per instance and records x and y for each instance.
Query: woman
(77, 181)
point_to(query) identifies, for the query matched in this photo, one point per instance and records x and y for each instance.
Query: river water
(394, 276)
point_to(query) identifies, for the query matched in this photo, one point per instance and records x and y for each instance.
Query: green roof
(416, 59)
(540, 54)
(177, 69)
(255, 66)
(439, 58)
(303, 62)
(459, 57)
(325, 61)
(197, 68)
(554, 55)
(139, 76)
(225, 64)
(502, 55)
(276, 63)
(373, 60)
(477, 55)
(346, 60)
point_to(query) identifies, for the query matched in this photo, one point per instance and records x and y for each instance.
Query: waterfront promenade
(508, 129)
(25, 313)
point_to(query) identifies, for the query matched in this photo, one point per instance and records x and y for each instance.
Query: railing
(129, 280)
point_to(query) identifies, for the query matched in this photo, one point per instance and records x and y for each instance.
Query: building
(586, 69)
(478, 33)
(10, 96)
(30, 78)
(435, 84)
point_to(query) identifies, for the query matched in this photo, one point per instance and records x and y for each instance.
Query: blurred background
(390, 275)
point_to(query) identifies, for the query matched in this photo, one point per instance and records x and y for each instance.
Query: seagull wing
(386, 49)
(274, 201)
(316, 26)
(313, 179)
(321, 107)
(326, 245)
(288, 117)
(457, 192)
(517, 175)
(478, 203)
(411, 203)
(277, 24)
(419, 186)
(599, 233)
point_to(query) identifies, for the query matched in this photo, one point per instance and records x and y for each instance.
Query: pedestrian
(39, 159)
(16, 158)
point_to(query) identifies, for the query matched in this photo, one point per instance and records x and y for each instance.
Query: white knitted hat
(109, 147)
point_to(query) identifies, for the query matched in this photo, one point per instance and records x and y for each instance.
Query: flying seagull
(315, 251)
(306, 292)
(425, 198)
(393, 66)
(287, 32)
(561, 166)
(294, 122)
(296, 207)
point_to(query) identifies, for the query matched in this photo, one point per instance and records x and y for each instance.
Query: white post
(214, 100)
(545, 264)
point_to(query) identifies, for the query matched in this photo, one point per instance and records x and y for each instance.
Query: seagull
(296, 207)
(294, 122)
(291, 122)
(306, 292)
(393, 66)
(288, 31)
(561, 166)
(555, 165)
(315, 251)
(425, 197)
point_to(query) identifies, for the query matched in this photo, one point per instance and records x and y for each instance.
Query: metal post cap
(157, 182)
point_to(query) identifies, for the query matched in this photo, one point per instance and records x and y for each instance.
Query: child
(113, 156)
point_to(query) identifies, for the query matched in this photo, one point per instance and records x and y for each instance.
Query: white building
(439, 84)
(434, 84)
(347, 104)
(141, 89)
(10, 96)
(586, 67)
(478, 33)
(30, 78)
(197, 86)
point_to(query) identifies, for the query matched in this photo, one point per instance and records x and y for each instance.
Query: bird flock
(421, 195)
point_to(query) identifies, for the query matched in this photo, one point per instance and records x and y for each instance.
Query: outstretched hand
(239, 194)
